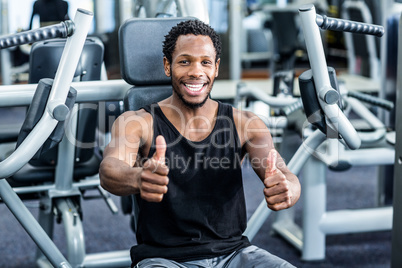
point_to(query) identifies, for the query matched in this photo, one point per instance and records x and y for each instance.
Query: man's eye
(206, 62)
(183, 62)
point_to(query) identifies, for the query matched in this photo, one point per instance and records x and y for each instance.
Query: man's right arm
(118, 172)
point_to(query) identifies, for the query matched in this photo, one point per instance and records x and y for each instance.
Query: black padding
(31, 175)
(283, 83)
(140, 45)
(45, 56)
(88, 69)
(312, 107)
(35, 112)
(44, 61)
(138, 97)
(342, 165)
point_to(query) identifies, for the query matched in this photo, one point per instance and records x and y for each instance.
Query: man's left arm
(282, 188)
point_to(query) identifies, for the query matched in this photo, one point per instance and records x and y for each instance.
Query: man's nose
(196, 70)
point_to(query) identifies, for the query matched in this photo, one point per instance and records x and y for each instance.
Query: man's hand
(276, 191)
(154, 180)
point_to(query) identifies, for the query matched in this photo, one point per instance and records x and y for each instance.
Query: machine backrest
(45, 56)
(141, 59)
(44, 59)
(141, 65)
(140, 47)
(43, 62)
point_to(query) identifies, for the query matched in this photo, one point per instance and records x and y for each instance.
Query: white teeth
(194, 87)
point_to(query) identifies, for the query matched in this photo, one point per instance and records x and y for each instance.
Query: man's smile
(195, 88)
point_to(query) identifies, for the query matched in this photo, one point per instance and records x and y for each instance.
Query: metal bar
(84, 184)
(314, 207)
(235, 34)
(328, 23)
(336, 119)
(62, 29)
(396, 256)
(69, 60)
(356, 220)
(89, 91)
(66, 155)
(24, 216)
(74, 230)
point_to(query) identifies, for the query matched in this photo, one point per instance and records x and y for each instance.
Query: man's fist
(154, 180)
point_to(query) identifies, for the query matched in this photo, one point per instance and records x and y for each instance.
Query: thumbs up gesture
(277, 189)
(154, 180)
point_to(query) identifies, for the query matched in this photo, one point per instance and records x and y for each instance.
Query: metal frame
(41, 132)
(317, 221)
(396, 257)
(62, 195)
(370, 41)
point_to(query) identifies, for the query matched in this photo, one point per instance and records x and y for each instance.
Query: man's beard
(189, 104)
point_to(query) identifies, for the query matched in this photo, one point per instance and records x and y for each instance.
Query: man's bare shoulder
(141, 113)
(243, 118)
(134, 116)
(130, 122)
(249, 125)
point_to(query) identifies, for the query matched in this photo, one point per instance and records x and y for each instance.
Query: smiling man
(182, 158)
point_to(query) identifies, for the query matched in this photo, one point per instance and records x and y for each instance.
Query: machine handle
(335, 118)
(292, 107)
(63, 29)
(327, 23)
(372, 100)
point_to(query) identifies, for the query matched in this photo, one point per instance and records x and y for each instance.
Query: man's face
(193, 69)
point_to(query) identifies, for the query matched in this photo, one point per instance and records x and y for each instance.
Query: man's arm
(118, 172)
(282, 187)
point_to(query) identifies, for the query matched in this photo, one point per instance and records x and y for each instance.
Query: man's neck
(193, 123)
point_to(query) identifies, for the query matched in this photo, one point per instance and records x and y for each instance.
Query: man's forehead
(190, 41)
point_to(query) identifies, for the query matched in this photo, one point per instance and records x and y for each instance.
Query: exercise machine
(56, 112)
(62, 196)
(396, 258)
(322, 103)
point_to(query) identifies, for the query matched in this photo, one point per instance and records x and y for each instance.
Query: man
(182, 157)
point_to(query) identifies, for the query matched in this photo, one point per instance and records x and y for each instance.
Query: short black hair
(195, 27)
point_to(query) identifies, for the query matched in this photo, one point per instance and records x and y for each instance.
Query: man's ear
(217, 67)
(166, 66)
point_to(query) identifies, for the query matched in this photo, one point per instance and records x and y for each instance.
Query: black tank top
(203, 214)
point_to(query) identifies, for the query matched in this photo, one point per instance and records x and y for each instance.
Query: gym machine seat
(141, 61)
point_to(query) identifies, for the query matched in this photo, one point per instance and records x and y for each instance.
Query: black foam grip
(328, 23)
(63, 29)
(372, 100)
(292, 107)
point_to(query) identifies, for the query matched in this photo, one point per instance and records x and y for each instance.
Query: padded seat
(141, 65)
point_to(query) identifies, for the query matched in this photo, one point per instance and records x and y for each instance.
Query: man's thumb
(160, 145)
(271, 162)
